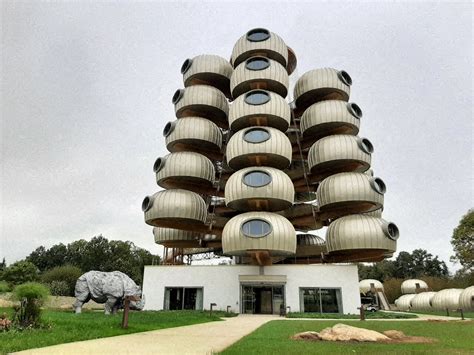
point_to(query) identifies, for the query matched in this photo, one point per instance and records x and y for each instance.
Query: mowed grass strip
(274, 338)
(67, 327)
(368, 315)
(443, 313)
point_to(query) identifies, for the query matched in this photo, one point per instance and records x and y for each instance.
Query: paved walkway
(205, 338)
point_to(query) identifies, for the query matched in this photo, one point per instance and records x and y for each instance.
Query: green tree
(462, 241)
(379, 271)
(20, 272)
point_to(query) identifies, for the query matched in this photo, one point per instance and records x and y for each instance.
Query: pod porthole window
(159, 164)
(169, 127)
(354, 110)
(258, 35)
(257, 63)
(391, 230)
(344, 77)
(257, 97)
(257, 179)
(147, 203)
(256, 228)
(378, 185)
(177, 96)
(365, 145)
(186, 65)
(256, 135)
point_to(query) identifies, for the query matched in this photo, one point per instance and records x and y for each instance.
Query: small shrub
(59, 288)
(59, 276)
(4, 287)
(5, 323)
(31, 295)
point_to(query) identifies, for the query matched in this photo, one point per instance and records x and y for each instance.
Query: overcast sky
(86, 91)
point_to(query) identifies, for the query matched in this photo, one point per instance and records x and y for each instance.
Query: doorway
(262, 299)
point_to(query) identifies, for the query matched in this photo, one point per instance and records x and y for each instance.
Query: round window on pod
(257, 63)
(345, 77)
(365, 145)
(378, 185)
(159, 164)
(186, 65)
(147, 203)
(256, 228)
(257, 97)
(178, 94)
(257, 179)
(354, 110)
(169, 127)
(258, 35)
(256, 135)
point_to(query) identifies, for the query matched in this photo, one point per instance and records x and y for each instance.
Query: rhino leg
(109, 306)
(80, 300)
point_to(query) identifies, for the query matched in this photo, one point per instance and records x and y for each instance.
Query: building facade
(254, 166)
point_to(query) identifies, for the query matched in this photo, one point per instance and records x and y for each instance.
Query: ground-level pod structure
(466, 299)
(447, 299)
(422, 301)
(403, 302)
(414, 286)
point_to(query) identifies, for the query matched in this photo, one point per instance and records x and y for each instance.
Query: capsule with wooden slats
(175, 238)
(259, 108)
(361, 237)
(447, 299)
(466, 299)
(366, 285)
(209, 70)
(339, 153)
(413, 286)
(349, 193)
(260, 41)
(259, 189)
(403, 302)
(258, 231)
(320, 85)
(174, 209)
(259, 73)
(422, 301)
(194, 134)
(309, 245)
(258, 146)
(185, 170)
(330, 117)
(202, 101)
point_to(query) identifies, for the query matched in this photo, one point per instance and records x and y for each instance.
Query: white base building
(253, 289)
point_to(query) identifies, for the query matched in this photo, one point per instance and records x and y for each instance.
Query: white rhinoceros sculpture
(107, 287)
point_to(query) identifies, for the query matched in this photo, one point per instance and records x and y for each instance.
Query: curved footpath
(204, 338)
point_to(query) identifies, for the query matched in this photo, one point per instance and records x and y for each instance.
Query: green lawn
(368, 315)
(443, 313)
(68, 327)
(274, 338)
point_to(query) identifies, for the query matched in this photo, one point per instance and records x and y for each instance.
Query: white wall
(221, 283)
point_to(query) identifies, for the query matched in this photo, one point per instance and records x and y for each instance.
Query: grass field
(274, 338)
(68, 327)
(443, 313)
(368, 315)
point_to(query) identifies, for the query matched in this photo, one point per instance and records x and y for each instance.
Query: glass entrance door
(262, 299)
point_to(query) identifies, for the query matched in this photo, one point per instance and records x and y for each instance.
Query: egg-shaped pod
(330, 117)
(194, 134)
(259, 189)
(338, 154)
(368, 285)
(349, 193)
(174, 209)
(259, 108)
(202, 101)
(466, 299)
(447, 299)
(259, 73)
(209, 70)
(258, 146)
(403, 302)
(413, 286)
(320, 85)
(359, 237)
(260, 41)
(253, 232)
(309, 245)
(175, 238)
(422, 301)
(185, 170)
